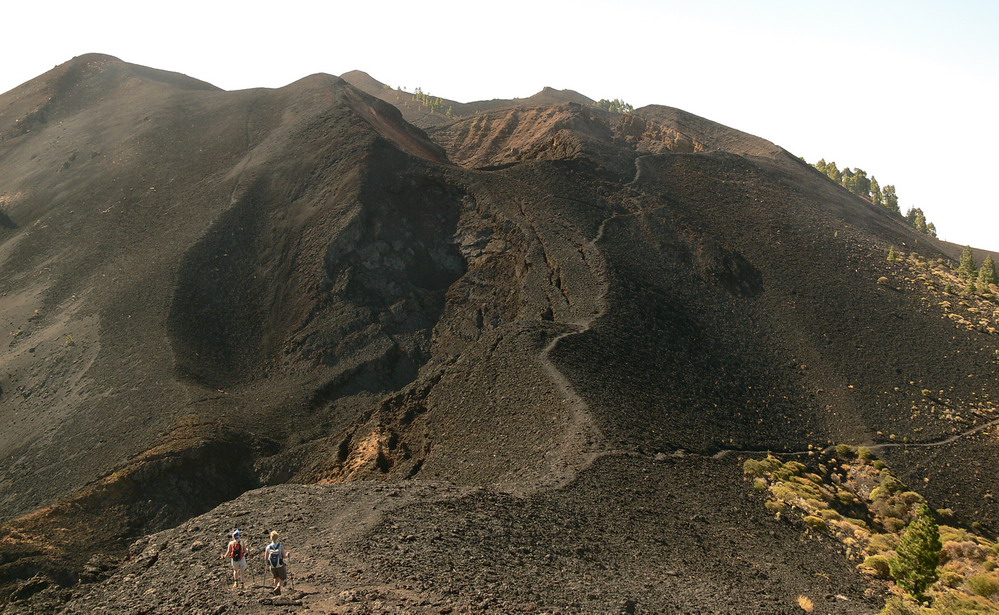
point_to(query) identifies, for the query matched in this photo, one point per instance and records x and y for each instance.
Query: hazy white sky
(908, 91)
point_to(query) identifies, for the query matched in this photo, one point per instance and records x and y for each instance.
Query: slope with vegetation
(857, 182)
(887, 529)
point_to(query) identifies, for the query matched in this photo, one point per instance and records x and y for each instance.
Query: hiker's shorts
(239, 564)
(281, 572)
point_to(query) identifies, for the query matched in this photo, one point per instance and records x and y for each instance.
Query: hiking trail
(874, 447)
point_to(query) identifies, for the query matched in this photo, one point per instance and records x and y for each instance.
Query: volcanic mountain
(495, 364)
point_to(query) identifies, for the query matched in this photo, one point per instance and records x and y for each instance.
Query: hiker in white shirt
(275, 556)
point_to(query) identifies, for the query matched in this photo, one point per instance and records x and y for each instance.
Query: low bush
(844, 450)
(951, 579)
(983, 584)
(953, 534)
(829, 514)
(775, 507)
(897, 605)
(953, 603)
(816, 523)
(966, 549)
(876, 566)
(882, 542)
(761, 467)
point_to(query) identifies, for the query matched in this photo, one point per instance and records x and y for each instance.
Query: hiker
(237, 553)
(276, 556)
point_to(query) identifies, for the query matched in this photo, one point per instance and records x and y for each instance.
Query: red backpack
(237, 552)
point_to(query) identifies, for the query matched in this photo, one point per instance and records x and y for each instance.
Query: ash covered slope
(741, 303)
(294, 285)
(186, 272)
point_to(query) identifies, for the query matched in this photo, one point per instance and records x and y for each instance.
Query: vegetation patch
(889, 530)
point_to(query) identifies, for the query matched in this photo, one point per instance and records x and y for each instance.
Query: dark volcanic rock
(501, 332)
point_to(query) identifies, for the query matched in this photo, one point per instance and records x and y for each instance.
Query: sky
(908, 91)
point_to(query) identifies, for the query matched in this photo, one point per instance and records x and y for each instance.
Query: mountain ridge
(214, 292)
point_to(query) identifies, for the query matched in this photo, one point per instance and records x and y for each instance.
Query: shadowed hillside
(512, 319)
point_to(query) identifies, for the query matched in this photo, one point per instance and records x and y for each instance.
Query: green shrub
(951, 579)
(966, 550)
(864, 453)
(857, 523)
(760, 467)
(782, 491)
(899, 606)
(877, 565)
(891, 484)
(789, 469)
(829, 514)
(953, 603)
(880, 465)
(775, 507)
(953, 534)
(844, 450)
(984, 584)
(816, 523)
(882, 542)
(845, 498)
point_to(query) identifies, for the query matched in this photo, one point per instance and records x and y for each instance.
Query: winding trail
(638, 167)
(581, 446)
(874, 447)
(583, 442)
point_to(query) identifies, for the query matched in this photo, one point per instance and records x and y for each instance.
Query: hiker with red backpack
(236, 552)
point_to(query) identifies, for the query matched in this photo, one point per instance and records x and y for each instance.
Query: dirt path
(583, 443)
(874, 447)
(638, 167)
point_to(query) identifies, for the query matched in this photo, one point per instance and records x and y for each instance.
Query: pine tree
(891, 198)
(987, 274)
(967, 269)
(876, 197)
(914, 567)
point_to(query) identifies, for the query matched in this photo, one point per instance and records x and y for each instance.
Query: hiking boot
(235, 584)
(276, 591)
